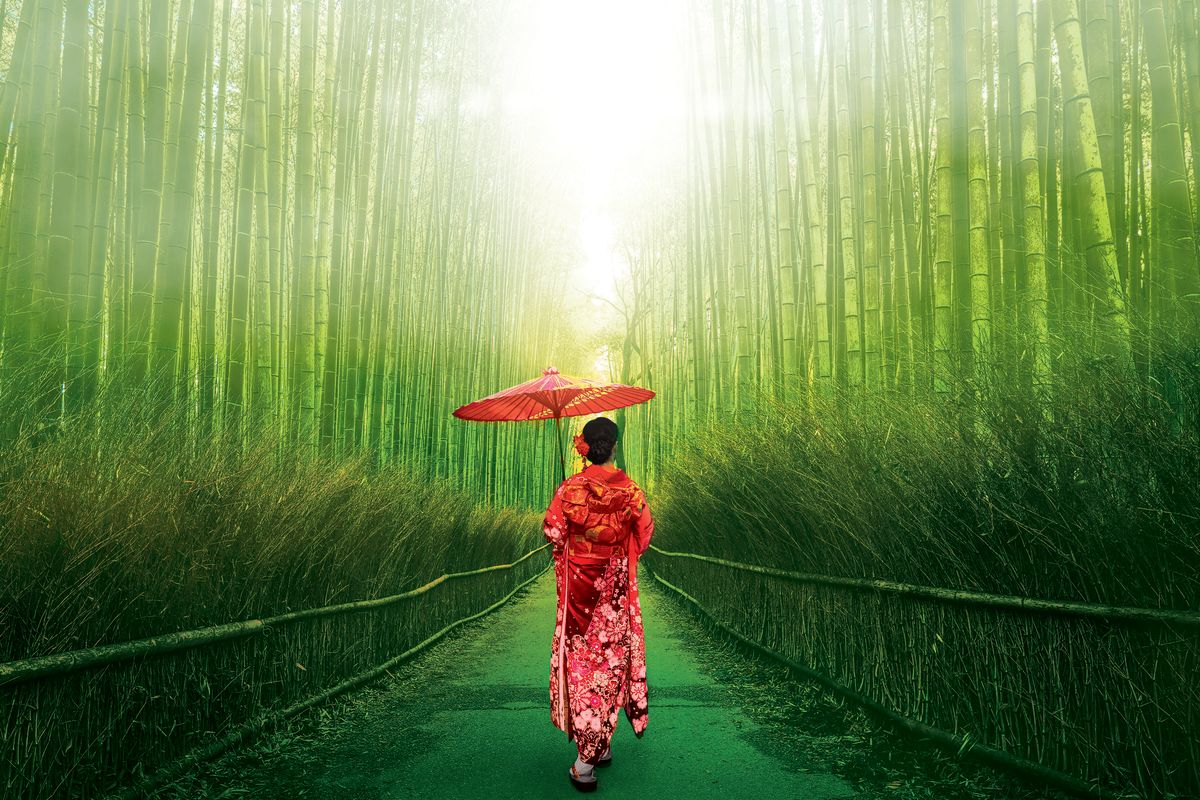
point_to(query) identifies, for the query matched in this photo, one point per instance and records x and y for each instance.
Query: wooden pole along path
(1008, 602)
(28, 669)
(249, 730)
(950, 742)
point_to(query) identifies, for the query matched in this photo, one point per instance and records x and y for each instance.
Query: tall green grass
(1092, 496)
(127, 520)
(1088, 493)
(125, 523)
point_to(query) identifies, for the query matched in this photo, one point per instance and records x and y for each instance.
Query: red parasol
(552, 396)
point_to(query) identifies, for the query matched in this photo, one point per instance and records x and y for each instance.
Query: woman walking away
(598, 524)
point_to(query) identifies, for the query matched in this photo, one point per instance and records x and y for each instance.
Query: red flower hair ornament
(581, 445)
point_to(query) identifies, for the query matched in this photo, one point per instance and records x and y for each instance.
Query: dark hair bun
(601, 435)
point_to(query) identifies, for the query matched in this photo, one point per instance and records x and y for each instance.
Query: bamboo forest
(895, 305)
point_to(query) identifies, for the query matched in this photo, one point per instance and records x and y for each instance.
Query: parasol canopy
(552, 396)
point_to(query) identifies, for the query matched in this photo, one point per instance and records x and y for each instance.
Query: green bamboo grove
(286, 209)
(270, 209)
(923, 196)
(916, 282)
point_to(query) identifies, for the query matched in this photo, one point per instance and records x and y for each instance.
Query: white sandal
(584, 783)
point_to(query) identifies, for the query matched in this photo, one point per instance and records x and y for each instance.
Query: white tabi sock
(582, 768)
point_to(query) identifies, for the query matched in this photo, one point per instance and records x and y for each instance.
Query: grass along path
(470, 718)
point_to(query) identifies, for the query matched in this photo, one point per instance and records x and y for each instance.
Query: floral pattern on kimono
(598, 525)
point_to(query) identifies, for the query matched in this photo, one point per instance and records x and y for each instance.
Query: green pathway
(470, 719)
(497, 711)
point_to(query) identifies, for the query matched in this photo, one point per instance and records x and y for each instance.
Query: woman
(598, 524)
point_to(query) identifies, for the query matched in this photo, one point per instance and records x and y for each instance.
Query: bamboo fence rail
(244, 733)
(952, 742)
(1011, 602)
(29, 669)
(94, 722)
(1092, 698)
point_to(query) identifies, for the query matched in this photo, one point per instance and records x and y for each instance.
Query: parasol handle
(562, 462)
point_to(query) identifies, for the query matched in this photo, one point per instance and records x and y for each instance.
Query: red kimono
(598, 524)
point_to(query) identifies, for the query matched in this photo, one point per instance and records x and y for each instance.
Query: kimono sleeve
(554, 525)
(643, 523)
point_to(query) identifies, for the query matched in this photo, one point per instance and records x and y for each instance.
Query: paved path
(496, 713)
(470, 719)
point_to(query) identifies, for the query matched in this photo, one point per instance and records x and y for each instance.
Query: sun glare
(596, 92)
(601, 264)
(601, 83)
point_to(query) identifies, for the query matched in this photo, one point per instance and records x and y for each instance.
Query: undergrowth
(1084, 492)
(125, 522)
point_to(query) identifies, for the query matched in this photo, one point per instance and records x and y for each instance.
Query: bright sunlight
(596, 91)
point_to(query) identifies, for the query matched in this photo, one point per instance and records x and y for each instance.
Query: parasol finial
(550, 371)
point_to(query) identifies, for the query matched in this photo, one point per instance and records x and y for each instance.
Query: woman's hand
(554, 525)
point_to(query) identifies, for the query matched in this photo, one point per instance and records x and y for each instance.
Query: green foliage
(270, 208)
(131, 519)
(123, 523)
(1085, 495)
